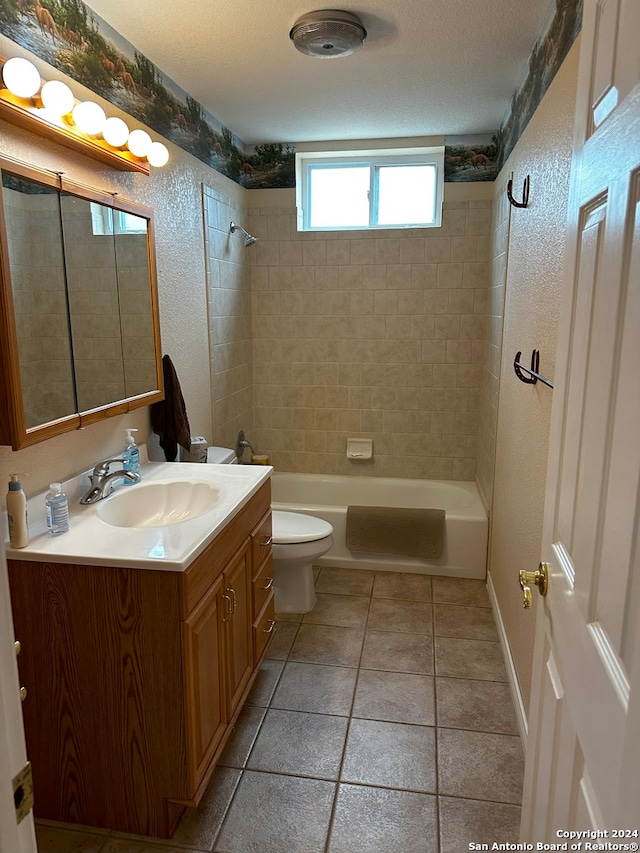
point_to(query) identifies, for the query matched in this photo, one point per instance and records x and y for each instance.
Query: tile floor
(381, 722)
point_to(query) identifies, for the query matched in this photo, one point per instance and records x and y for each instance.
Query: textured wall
(371, 334)
(533, 283)
(175, 195)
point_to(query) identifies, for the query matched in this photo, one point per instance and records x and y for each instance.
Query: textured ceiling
(427, 67)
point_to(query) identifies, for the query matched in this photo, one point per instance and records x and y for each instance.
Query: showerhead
(249, 239)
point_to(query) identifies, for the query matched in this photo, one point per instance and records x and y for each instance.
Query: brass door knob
(540, 578)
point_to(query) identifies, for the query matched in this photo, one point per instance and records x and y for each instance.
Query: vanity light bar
(53, 112)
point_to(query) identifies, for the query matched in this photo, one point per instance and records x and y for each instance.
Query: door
(14, 837)
(583, 750)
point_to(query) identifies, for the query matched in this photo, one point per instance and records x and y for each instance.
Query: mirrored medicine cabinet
(79, 323)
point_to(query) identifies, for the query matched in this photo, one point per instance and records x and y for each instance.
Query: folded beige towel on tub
(396, 530)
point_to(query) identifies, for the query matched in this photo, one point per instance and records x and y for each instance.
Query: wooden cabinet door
(238, 625)
(204, 681)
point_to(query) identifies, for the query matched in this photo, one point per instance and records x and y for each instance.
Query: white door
(583, 750)
(14, 838)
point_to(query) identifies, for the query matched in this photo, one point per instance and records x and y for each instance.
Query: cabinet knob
(272, 625)
(267, 542)
(17, 646)
(268, 584)
(23, 694)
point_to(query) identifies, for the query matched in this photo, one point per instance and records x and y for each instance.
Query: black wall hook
(525, 192)
(533, 371)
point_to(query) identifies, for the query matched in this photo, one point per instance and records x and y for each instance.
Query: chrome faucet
(102, 481)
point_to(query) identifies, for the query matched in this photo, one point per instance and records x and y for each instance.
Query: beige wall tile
(366, 334)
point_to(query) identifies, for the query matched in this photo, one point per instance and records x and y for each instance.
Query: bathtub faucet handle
(242, 444)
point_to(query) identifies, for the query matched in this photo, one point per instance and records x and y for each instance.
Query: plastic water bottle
(57, 507)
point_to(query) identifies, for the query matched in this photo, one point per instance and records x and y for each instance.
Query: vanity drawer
(263, 628)
(262, 585)
(261, 543)
(206, 568)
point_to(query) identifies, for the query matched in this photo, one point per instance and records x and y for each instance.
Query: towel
(169, 417)
(396, 530)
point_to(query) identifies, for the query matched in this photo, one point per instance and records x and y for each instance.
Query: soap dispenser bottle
(131, 455)
(17, 513)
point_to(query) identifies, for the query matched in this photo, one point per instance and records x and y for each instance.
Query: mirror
(79, 306)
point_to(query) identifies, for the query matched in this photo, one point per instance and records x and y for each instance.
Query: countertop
(172, 547)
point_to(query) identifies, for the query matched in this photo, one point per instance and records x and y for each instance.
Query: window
(369, 189)
(105, 220)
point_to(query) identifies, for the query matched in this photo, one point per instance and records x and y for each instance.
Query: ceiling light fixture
(328, 34)
(51, 110)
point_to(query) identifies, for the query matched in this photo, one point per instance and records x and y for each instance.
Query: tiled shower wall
(229, 306)
(371, 334)
(491, 378)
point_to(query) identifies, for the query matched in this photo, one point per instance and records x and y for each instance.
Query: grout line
(350, 718)
(435, 717)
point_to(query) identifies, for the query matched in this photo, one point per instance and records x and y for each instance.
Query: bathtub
(328, 496)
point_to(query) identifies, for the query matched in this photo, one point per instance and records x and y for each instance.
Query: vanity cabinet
(135, 677)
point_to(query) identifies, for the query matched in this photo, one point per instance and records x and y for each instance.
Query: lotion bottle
(17, 513)
(131, 455)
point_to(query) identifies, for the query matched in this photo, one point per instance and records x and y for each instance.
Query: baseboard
(516, 695)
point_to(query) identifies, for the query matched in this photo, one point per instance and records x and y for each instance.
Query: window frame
(424, 156)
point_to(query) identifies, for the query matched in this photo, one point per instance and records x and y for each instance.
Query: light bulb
(158, 155)
(139, 143)
(21, 77)
(115, 132)
(57, 98)
(89, 117)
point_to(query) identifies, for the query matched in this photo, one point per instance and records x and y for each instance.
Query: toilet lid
(290, 527)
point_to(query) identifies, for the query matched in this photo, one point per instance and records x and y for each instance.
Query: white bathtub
(328, 496)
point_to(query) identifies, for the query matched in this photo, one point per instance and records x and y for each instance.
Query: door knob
(540, 578)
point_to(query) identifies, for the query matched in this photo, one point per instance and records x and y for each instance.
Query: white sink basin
(158, 504)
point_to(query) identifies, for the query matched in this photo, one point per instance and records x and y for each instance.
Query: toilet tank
(221, 456)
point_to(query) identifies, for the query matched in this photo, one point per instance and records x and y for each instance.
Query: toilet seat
(293, 527)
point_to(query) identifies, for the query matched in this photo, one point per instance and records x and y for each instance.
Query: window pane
(406, 195)
(339, 196)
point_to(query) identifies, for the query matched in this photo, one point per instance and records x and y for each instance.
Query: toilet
(297, 540)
